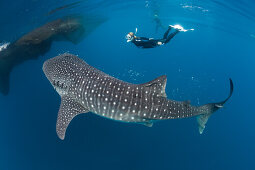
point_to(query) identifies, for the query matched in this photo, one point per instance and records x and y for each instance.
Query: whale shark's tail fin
(210, 109)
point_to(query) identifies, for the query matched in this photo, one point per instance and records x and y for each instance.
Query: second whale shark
(38, 42)
(84, 88)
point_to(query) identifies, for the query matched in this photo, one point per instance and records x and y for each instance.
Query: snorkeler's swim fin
(212, 107)
(180, 28)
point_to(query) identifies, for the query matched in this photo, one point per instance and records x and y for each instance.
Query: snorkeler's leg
(171, 36)
(166, 33)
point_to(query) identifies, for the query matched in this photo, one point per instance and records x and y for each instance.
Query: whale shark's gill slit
(58, 84)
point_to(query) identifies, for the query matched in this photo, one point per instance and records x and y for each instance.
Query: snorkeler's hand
(160, 43)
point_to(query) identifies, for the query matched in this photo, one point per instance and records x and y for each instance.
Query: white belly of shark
(84, 88)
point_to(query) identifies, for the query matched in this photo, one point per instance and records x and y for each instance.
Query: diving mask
(130, 37)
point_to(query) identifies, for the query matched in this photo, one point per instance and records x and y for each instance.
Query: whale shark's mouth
(3, 46)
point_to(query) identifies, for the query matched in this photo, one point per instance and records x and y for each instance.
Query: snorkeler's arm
(142, 38)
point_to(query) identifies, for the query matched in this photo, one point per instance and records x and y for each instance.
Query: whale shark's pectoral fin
(158, 85)
(69, 108)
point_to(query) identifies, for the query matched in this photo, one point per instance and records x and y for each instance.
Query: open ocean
(198, 65)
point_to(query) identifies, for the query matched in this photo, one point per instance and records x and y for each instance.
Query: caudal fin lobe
(4, 82)
(211, 108)
(5, 69)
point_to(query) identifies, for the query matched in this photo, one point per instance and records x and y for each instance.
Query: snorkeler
(158, 22)
(144, 42)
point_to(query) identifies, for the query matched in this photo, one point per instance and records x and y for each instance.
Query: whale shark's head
(61, 71)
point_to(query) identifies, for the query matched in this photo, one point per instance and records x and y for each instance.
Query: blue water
(198, 65)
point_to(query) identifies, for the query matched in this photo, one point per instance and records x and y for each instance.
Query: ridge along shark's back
(84, 88)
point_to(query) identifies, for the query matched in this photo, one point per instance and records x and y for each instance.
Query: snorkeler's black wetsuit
(144, 42)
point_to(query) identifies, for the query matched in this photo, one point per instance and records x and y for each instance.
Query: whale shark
(38, 42)
(84, 89)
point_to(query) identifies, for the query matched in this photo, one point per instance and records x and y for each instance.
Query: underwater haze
(198, 65)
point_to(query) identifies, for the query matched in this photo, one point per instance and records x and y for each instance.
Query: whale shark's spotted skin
(84, 88)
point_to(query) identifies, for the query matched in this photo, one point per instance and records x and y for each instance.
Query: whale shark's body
(84, 88)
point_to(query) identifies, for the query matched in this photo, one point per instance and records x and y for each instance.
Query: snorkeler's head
(130, 36)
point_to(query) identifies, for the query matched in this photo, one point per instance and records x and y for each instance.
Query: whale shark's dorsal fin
(159, 84)
(69, 108)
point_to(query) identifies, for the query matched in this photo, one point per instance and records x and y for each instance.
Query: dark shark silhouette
(38, 42)
(83, 89)
(71, 5)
